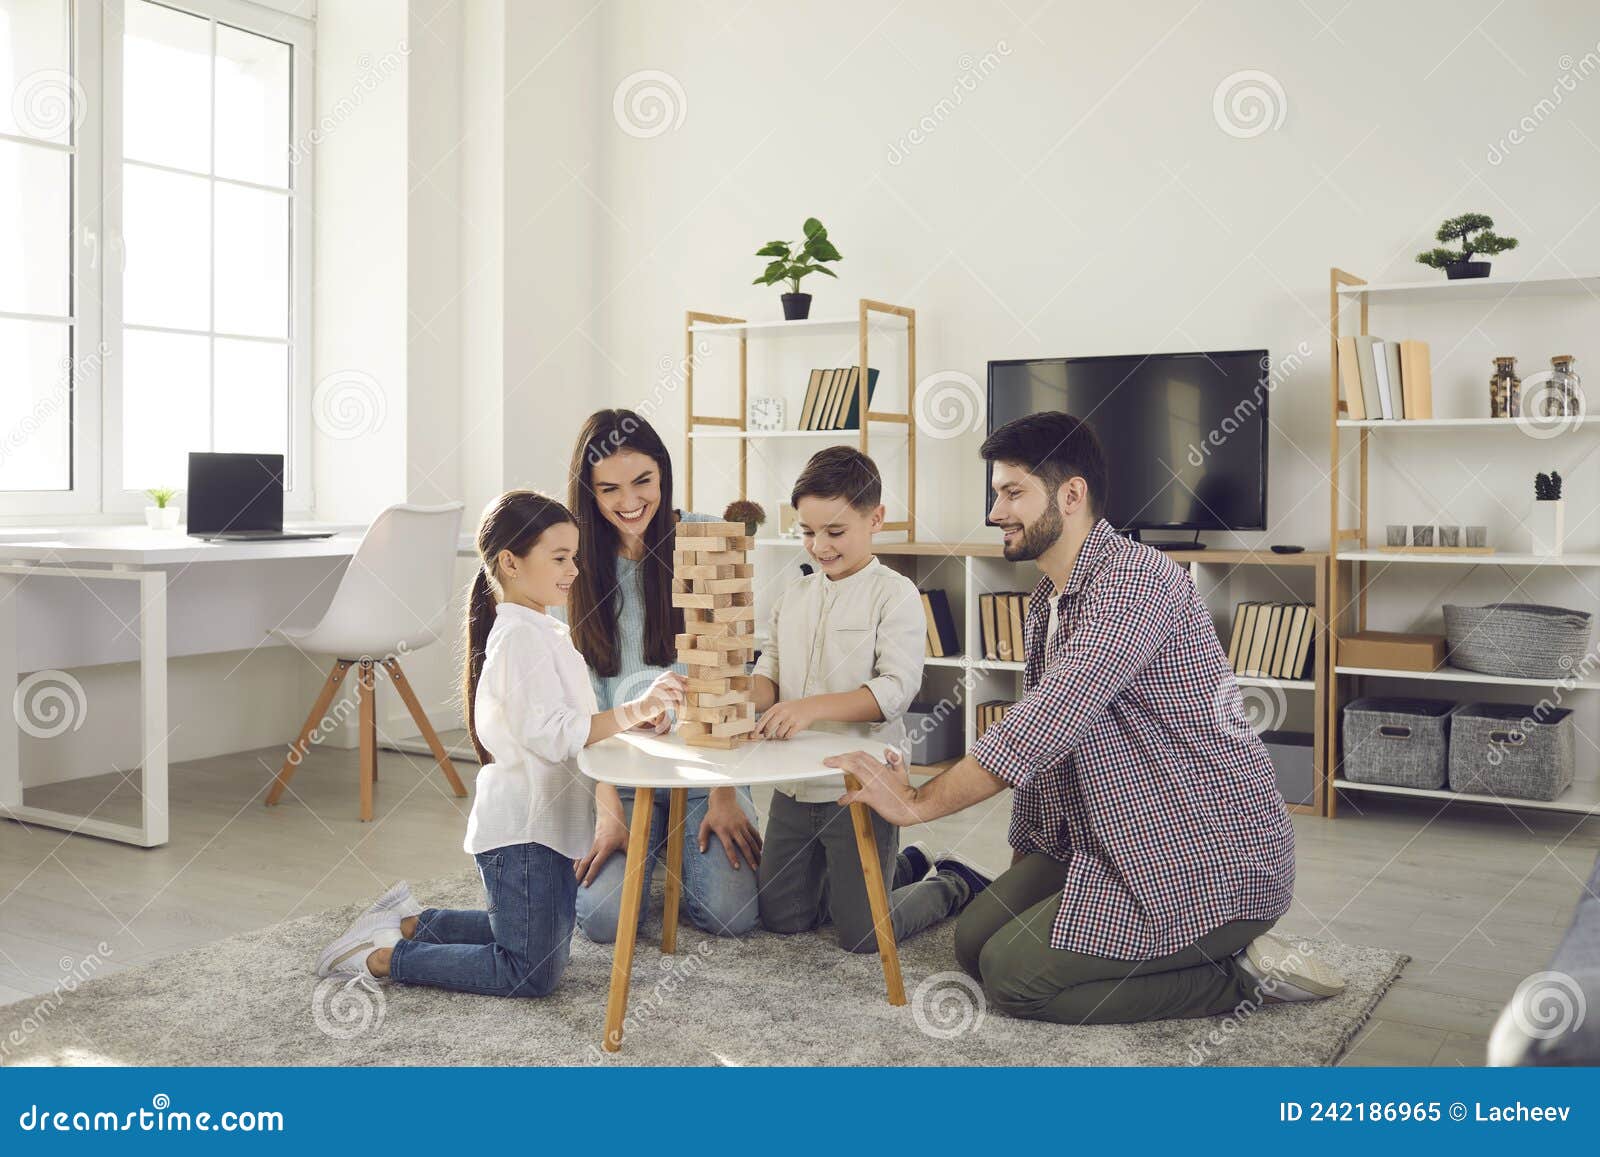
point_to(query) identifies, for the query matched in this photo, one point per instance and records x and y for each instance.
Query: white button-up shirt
(533, 709)
(830, 635)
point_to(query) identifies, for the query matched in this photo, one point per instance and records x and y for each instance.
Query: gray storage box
(1291, 753)
(934, 734)
(1511, 750)
(1401, 742)
(1520, 640)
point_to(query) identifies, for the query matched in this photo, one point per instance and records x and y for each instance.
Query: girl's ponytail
(513, 522)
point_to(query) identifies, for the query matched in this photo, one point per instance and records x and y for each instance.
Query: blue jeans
(518, 947)
(717, 897)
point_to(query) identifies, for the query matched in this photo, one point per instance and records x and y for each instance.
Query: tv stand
(1194, 544)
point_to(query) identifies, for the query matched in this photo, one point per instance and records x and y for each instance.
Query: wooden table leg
(678, 804)
(877, 896)
(628, 920)
(366, 693)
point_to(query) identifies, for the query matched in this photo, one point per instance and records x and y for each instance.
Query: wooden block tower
(714, 585)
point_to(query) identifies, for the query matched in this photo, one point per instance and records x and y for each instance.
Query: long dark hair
(513, 522)
(592, 611)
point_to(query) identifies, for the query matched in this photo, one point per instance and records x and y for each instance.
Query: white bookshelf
(1556, 425)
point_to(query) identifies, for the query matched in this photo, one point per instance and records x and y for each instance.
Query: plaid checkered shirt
(1133, 764)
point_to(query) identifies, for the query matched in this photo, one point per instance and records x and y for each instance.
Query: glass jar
(1505, 390)
(1564, 398)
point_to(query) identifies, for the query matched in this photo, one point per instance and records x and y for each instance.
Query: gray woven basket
(1522, 640)
(1511, 750)
(1401, 742)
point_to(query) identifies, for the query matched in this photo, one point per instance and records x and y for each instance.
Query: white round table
(648, 763)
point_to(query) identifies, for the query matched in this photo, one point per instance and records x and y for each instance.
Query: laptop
(239, 498)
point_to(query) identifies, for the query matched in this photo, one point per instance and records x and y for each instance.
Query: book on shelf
(835, 400)
(943, 641)
(809, 408)
(1271, 640)
(854, 407)
(986, 625)
(1385, 379)
(1000, 616)
(1016, 604)
(992, 712)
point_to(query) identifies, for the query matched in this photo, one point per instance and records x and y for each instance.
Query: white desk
(647, 763)
(138, 595)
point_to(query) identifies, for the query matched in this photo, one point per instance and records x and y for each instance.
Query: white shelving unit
(1352, 550)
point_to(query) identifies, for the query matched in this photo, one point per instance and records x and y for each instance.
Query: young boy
(844, 654)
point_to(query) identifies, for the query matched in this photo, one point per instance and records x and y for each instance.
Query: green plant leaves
(791, 266)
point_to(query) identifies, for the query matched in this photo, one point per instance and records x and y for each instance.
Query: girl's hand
(784, 720)
(665, 694)
(660, 725)
(610, 835)
(726, 820)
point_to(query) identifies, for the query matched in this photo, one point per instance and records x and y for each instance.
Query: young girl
(530, 709)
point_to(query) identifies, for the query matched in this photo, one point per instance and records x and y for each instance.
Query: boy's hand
(783, 720)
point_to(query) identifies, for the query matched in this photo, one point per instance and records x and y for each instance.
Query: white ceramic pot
(161, 517)
(1548, 525)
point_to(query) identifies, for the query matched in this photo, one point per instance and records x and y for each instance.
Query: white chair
(393, 599)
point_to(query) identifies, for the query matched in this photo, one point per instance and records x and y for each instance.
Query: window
(203, 287)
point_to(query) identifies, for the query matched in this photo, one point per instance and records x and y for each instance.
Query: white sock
(386, 937)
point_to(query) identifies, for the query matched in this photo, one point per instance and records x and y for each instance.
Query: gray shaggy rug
(252, 999)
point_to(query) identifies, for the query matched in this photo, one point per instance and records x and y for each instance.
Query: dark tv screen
(1185, 435)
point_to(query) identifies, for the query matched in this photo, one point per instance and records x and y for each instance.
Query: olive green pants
(1003, 941)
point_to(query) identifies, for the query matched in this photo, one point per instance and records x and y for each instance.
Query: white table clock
(765, 414)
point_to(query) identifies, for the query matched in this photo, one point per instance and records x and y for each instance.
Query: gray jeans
(811, 872)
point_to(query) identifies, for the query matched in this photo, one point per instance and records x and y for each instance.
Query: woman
(623, 623)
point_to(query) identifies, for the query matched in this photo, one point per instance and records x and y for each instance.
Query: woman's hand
(610, 834)
(726, 820)
(786, 719)
(885, 787)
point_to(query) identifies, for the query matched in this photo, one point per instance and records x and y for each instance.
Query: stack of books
(1272, 640)
(943, 641)
(834, 401)
(992, 712)
(1385, 379)
(1002, 615)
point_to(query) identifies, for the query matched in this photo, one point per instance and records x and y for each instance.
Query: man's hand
(885, 787)
(786, 719)
(726, 820)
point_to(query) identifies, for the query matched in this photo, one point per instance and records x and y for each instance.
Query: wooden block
(731, 671)
(706, 544)
(697, 685)
(712, 715)
(687, 729)
(694, 571)
(734, 727)
(742, 683)
(720, 642)
(703, 602)
(726, 698)
(724, 586)
(684, 641)
(717, 529)
(702, 626)
(744, 570)
(724, 742)
(694, 657)
(679, 586)
(732, 614)
(746, 598)
(711, 558)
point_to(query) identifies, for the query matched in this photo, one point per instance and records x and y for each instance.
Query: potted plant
(1549, 520)
(788, 265)
(1475, 232)
(163, 515)
(747, 512)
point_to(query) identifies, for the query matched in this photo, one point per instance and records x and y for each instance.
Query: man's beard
(1037, 536)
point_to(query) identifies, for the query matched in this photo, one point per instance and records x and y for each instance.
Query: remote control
(1279, 548)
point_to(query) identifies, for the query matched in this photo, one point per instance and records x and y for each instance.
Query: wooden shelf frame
(696, 322)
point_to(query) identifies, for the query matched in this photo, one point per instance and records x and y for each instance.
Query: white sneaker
(1287, 973)
(347, 956)
(399, 900)
(378, 926)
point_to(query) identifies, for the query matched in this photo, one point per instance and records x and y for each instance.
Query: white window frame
(99, 253)
(86, 255)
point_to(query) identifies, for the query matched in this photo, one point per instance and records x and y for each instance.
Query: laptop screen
(232, 492)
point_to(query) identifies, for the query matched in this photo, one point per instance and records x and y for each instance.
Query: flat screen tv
(1185, 435)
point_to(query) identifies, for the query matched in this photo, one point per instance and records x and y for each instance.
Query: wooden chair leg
(369, 736)
(677, 805)
(302, 743)
(877, 896)
(628, 920)
(440, 756)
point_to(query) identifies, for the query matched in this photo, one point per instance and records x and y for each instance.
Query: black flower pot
(1465, 270)
(796, 306)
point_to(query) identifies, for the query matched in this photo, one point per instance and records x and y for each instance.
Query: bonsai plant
(789, 265)
(162, 515)
(747, 512)
(1475, 232)
(1548, 522)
